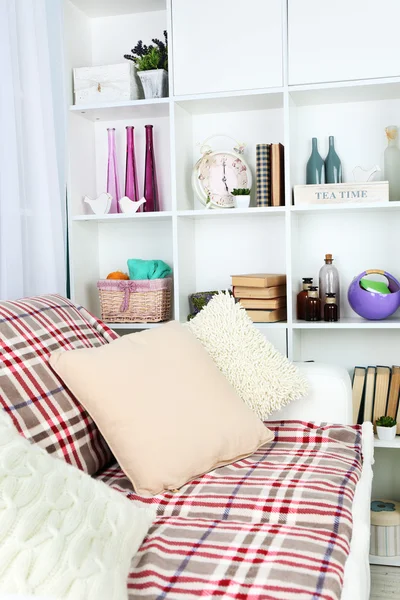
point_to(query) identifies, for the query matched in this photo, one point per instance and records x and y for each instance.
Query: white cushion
(63, 535)
(264, 378)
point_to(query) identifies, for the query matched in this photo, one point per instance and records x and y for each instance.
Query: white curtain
(32, 142)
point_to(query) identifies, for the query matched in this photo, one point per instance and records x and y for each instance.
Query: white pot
(155, 83)
(242, 201)
(386, 433)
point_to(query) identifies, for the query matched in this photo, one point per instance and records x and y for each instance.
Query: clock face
(218, 173)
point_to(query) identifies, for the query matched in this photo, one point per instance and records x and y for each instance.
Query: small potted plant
(241, 197)
(386, 428)
(152, 66)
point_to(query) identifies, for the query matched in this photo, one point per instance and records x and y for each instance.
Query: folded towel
(148, 269)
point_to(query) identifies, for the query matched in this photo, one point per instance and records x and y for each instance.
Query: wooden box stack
(263, 295)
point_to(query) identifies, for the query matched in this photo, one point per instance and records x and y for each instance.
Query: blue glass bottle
(315, 166)
(333, 166)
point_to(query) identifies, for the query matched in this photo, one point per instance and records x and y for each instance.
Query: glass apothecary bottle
(330, 308)
(392, 162)
(313, 304)
(302, 298)
(329, 283)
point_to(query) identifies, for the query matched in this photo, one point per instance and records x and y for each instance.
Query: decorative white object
(242, 201)
(361, 175)
(62, 534)
(100, 205)
(108, 83)
(340, 193)
(216, 174)
(155, 83)
(262, 376)
(386, 434)
(127, 205)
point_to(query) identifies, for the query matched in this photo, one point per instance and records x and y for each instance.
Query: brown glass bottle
(302, 298)
(330, 308)
(313, 304)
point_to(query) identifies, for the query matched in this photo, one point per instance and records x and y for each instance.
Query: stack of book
(270, 175)
(263, 295)
(376, 394)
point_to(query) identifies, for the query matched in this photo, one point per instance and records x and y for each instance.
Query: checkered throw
(263, 174)
(42, 409)
(274, 526)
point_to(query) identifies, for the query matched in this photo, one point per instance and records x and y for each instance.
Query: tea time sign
(337, 193)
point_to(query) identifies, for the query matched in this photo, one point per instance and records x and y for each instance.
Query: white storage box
(109, 83)
(339, 193)
(385, 528)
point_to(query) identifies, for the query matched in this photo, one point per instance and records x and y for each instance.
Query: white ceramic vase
(242, 201)
(386, 434)
(155, 83)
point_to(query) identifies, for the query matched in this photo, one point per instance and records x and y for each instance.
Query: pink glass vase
(131, 183)
(112, 173)
(150, 179)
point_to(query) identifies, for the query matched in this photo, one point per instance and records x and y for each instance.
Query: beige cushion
(163, 406)
(264, 378)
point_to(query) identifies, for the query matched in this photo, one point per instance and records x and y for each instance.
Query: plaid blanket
(274, 526)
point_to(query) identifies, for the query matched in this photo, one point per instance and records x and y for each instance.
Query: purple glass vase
(131, 183)
(112, 174)
(150, 179)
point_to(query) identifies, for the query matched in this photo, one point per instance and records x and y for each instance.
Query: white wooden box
(108, 83)
(339, 193)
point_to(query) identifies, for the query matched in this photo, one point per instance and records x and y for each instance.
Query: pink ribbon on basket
(128, 288)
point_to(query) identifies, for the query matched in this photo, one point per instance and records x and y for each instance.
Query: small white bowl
(242, 201)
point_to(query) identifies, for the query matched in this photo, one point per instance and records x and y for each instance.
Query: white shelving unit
(283, 97)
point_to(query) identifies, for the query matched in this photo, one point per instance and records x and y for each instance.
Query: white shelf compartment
(349, 323)
(203, 104)
(383, 444)
(153, 216)
(387, 561)
(209, 213)
(115, 111)
(105, 8)
(338, 92)
(347, 207)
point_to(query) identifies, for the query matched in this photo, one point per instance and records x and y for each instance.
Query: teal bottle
(315, 166)
(333, 166)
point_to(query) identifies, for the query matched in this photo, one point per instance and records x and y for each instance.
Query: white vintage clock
(217, 173)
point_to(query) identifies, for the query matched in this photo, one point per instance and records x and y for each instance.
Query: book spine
(263, 174)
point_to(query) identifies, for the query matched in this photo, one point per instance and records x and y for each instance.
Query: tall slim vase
(315, 166)
(150, 179)
(333, 166)
(131, 182)
(112, 172)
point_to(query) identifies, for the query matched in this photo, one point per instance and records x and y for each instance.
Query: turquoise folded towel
(148, 269)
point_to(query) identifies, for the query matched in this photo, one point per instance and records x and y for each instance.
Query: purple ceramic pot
(373, 305)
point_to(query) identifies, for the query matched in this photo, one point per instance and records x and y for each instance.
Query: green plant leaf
(385, 422)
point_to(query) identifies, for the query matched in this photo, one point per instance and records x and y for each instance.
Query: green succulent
(240, 192)
(385, 422)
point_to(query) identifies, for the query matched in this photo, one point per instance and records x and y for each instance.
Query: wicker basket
(139, 301)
